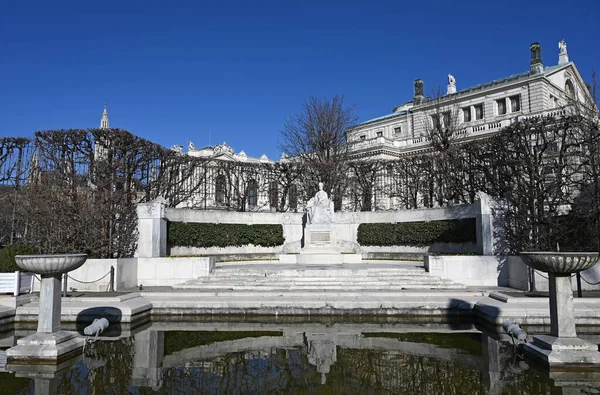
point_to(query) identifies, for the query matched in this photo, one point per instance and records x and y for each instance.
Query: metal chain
(88, 282)
(588, 281)
(540, 274)
(583, 278)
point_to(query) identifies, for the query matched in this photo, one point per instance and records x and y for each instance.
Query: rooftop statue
(562, 45)
(320, 208)
(451, 80)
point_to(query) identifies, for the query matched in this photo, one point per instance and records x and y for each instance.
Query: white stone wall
(346, 227)
(131, 272)
(171, 271)
(520, 276)
(94, 275)
(469, 270)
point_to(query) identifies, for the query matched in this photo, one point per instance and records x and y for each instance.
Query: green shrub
(7, 256)
(417, 233)
(185, 234)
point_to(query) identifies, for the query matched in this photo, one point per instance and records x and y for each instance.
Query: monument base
(45, 348)
(563, 352)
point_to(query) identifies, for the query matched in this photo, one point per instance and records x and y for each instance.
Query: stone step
(275, 288)
(316, 273)
(317, 279)
(320, 283)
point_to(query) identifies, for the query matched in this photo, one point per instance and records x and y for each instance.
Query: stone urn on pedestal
(50, 344)
(562, 348)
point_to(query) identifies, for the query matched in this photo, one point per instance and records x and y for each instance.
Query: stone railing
(480, 127)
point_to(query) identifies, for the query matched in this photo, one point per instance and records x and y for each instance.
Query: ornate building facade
(474, 112)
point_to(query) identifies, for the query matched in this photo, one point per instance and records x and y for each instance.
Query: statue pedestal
(321, 248)
(319, 236)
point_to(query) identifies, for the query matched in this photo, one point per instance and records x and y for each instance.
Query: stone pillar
(484, 225)
(49, 315)
(562, 316)
(152, 230)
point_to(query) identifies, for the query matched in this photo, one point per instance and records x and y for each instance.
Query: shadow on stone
(112, 314)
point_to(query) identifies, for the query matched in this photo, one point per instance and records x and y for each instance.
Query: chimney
(418, 96)
(536, 66)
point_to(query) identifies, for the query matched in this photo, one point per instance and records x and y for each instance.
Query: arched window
(252, 193)
(220, 189)
(273, 194)
(293, 197)
(570, 89)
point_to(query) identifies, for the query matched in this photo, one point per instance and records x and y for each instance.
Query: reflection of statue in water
(320, 208)
(322, 354)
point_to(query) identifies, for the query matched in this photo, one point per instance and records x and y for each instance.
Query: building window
(501, 106)
(220, 189)
(478, 111)
(446, 118)
(363, 137)
(379, 134)
(397, 130)
(435, 120)
(293, 198)
(515, 103)
(252, 193)
(466, 114)
(273, 194)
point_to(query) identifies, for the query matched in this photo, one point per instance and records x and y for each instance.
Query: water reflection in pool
(247, 358)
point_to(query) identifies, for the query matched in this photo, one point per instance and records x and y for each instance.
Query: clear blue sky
(174, 71)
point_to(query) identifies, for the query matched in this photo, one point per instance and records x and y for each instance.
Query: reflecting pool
(208, 357)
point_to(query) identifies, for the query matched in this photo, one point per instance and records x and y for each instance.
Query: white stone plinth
(44, 348)
(49, 316)
(152, 230)
(556, 352)
(320, 236)
(562, 316)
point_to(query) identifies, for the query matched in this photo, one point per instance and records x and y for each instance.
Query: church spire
(104, 120)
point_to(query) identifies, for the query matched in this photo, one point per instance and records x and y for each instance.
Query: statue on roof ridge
(562, 45)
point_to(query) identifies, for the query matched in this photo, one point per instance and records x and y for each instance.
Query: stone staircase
(375, 276)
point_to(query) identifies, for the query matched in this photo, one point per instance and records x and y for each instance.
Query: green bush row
(417, 233)
(186, 234)
(7, 256)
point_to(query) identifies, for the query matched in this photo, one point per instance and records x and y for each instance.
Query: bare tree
(441, 122)
(316, 136)
(585, 216)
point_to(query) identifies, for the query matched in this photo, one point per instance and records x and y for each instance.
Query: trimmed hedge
(417, 233)
(203, 235)
(7, 256)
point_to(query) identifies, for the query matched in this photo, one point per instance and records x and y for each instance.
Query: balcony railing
(481, 128)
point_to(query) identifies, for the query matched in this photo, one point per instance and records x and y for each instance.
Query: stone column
(562, 316)
(484, 225)
(49, 315)
(152, 230)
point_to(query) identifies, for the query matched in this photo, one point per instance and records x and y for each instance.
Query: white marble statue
(320, 208)
(191, 146)
(451, 84)
(562, 45)
(451, 80)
